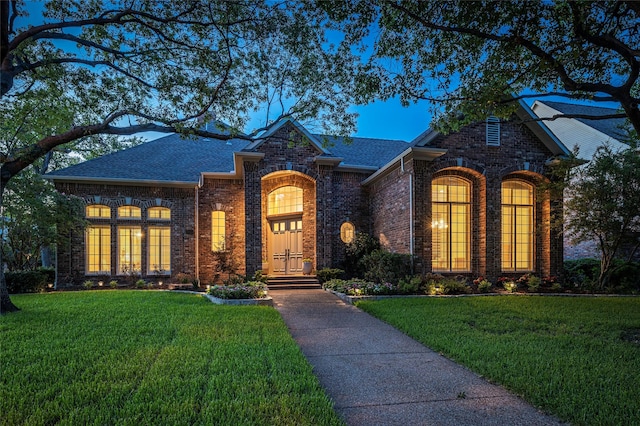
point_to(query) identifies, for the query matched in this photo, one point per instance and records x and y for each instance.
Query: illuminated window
(98, 211)
(287, 199)
(347, 232)
(451, 224)
(129, 211)
(517, 226)
(218, 231)
(159, 250)
(129, 249)
(159, 213)
(98, 246)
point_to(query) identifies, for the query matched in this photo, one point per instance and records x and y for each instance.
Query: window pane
(287, 199)
(129, 211)
(159, 213)
(347, 232)
(98, 211)
(159, 250)
(129, 250)
(451, 224)
(98, 249)
(517, 226)
(218, 231)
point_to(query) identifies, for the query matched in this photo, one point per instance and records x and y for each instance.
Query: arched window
(451, 224)
(347, 232)
(287, 199)
(159, 213)
(98, 211)
(517, 226)
(218, 231)
(132, 212)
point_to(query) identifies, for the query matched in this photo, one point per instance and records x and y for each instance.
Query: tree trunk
(6, 305)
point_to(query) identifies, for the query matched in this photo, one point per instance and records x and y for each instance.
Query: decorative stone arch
(272, 225)
(287, 167)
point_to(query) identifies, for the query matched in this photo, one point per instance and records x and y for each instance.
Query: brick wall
(71, 256)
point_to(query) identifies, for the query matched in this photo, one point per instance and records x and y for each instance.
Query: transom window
(347, 232)
(159, 213)
(287, 199)
(99, 211)
(451, 224)
(129, 212)
(218, 231)
(517, 226)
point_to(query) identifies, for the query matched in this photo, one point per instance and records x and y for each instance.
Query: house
(587, 135)
(463, 204)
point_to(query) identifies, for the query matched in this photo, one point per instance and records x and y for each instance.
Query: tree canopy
(475, 57)
(78, 73)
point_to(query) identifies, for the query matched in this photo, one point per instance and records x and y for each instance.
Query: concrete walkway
(376, 375)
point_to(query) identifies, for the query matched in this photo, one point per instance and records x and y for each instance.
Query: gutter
(119, 181)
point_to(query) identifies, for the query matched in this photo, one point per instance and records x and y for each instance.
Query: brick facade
(394, 205)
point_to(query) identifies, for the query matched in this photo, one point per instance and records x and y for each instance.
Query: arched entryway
(289, 225)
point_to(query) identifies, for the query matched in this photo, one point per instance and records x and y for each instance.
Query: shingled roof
(175, 160)
(613, 127)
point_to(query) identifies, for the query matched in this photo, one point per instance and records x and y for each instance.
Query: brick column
(253, 217)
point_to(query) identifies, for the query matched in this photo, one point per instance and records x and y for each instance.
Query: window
(347, 232)
(218, 231)
(98, 211)
(451, 224)
(159, 250)
(159, 213)
(493, 131)
(129, 212)
(287, 199)
(517, 226)
(129, 249)
(98, 244)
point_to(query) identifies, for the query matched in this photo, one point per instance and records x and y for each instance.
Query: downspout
(197, 236)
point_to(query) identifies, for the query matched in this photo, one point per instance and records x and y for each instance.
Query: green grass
(566, 355)
(134, 358)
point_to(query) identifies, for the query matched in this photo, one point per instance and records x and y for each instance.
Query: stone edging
(353, 299)
(265, 301)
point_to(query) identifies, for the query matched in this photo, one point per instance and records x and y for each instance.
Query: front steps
(290, 282)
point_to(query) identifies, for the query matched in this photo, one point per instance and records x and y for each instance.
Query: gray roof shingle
(174, 159)
(170, 158)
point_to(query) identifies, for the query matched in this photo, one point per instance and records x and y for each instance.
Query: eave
(412, 153)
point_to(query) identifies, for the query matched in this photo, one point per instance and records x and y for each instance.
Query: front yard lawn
(134, 358)
(577, 358)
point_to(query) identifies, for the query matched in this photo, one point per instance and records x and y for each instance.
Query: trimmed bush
(385, 267)
(327, 274)
(26, 281)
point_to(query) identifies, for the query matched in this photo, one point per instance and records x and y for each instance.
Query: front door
(286, 249)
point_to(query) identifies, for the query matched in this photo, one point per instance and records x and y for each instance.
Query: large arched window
(517, 226)
(287, 199)
(451, 224)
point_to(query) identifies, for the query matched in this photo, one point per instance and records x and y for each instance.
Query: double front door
(286, 249)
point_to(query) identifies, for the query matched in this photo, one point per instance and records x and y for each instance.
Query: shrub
(248, 290)
(383, 266)
(533, 284)
(362, 245)
(26, 281)
(88, 284)
(483, 284)
(510, 285)
(358, 287)
(113, 284)
(234, 280)
(327, 274)
(141, 283)
(410, 285)
(455, 286)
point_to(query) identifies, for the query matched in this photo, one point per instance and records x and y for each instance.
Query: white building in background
(587, 135)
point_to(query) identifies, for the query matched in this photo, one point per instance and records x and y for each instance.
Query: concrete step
(290, 282)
